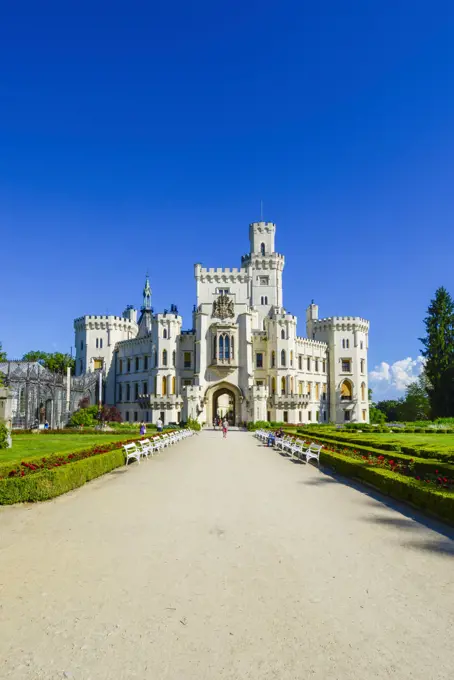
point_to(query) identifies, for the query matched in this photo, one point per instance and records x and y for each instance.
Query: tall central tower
(265, 268)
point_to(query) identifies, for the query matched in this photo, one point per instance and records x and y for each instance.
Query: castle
(242, 358)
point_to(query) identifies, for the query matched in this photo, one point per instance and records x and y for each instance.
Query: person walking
(159, 425)
(225, 427)
(143, 429)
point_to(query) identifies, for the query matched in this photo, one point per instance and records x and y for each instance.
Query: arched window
(282, 334)
(100, 343)
(164, 333)
(291, 358)
(164, 384)
(283, 357)
(282, 385)
(221, 347)
(97, 343)
(262, 248)
(120, 392)
(173, 385)
(363, 391)
(273, 385)
(346, 390)
(273, 359)
(291, 385)
(174, 357)
(232, 346)
(226, 347)
(215, 347)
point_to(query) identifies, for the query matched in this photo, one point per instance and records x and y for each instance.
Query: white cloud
(389, 381)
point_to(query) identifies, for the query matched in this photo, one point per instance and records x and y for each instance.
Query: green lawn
(32, 445)
(426, 441)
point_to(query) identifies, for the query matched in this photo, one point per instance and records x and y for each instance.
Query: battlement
(103, 317)
(341, 323)
(312, 343)
(227, 271)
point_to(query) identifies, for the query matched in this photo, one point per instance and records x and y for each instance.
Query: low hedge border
(51, 483)
(422, 465)
(402, 488)
(412, 451)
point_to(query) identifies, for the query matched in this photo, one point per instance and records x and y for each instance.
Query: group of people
(222, 423)
(273, 435)
(143, 427)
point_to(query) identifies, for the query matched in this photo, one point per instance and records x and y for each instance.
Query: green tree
(2, 354)
(391, 408)
(375, 416)
(439, 353)
(416, 405)
(55, 362)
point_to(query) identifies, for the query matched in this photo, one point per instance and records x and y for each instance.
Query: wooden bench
(313, 452)
(132, 452)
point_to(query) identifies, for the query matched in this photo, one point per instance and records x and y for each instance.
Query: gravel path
(222, 559)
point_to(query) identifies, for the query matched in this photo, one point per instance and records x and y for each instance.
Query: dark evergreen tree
(439, 353)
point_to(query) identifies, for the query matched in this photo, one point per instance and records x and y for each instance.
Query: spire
(147, 294)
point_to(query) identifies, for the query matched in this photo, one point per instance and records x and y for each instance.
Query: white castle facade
(242, 358)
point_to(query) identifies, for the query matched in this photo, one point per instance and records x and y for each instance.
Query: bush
(193, 424)
(435, 502)
(3, 436)
(85, 417)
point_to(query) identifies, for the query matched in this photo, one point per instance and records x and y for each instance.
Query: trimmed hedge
(402, 488)
(50, 483)
(3, 436)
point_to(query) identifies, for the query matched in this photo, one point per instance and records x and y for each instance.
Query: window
(223, 291)
(324, 366)
(155, 385)
(173, 385)
(264, 280)
(232, 342)
(282, 334)
(273, 359)
(129, 365)
(308, 363)
(145, 363)
(347, 416)
(300, 362)
(162, 415)
(283, 357)
(291, 385)
(363, 391)
(300, 389)
(361, 345)
(97, 364)
(346, 391)
(174, 358)
(136, 391)
(309, 415)
(273, 385)
(259, 360)
(127, 416)
(300, 416)
(346, 366)
(137, 363)
(128, 392)
(186, 383)
(135, 417)
(81, 365)
(164, 357)
(345, 343)
(100, 343)
(164, 333)
(364, 414)
(147, 416)
(264, 300)
(155, 357)
(120, 392)
(285, 416)
(324, 392)
(121, 365)
(362, 365)
(309, 389)
(316, 416)
(81, 344)
(291, 358)
(324, 416)
(97, 343)
(268, 416)
(262, 248)
(282, 385)
(317, 391)
(164, 384)
(259, 383)
(144, 388)
(316, 365)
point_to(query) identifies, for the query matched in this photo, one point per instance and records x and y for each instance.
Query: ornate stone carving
(223, 307)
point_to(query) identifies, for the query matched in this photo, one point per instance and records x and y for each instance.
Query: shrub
(85, 417)
(3, 436)
(193, 424)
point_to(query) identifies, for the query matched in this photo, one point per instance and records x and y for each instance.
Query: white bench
(132, 452)
(146, 447)
(313, 452)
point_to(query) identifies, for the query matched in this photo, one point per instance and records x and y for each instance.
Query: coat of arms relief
(223, 307)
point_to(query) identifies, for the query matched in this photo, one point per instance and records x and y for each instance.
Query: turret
(261, 237)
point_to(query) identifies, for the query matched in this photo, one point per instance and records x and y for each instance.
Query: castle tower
(265, 268)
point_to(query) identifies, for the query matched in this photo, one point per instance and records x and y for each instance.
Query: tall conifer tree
(439, 353)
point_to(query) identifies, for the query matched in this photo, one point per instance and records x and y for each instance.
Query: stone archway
(223, 399)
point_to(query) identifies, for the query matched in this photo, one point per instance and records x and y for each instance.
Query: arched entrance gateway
(223, 400)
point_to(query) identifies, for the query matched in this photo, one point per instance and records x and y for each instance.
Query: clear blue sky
(142, 135)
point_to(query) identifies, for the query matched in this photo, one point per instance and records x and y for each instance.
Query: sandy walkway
(221, 559)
